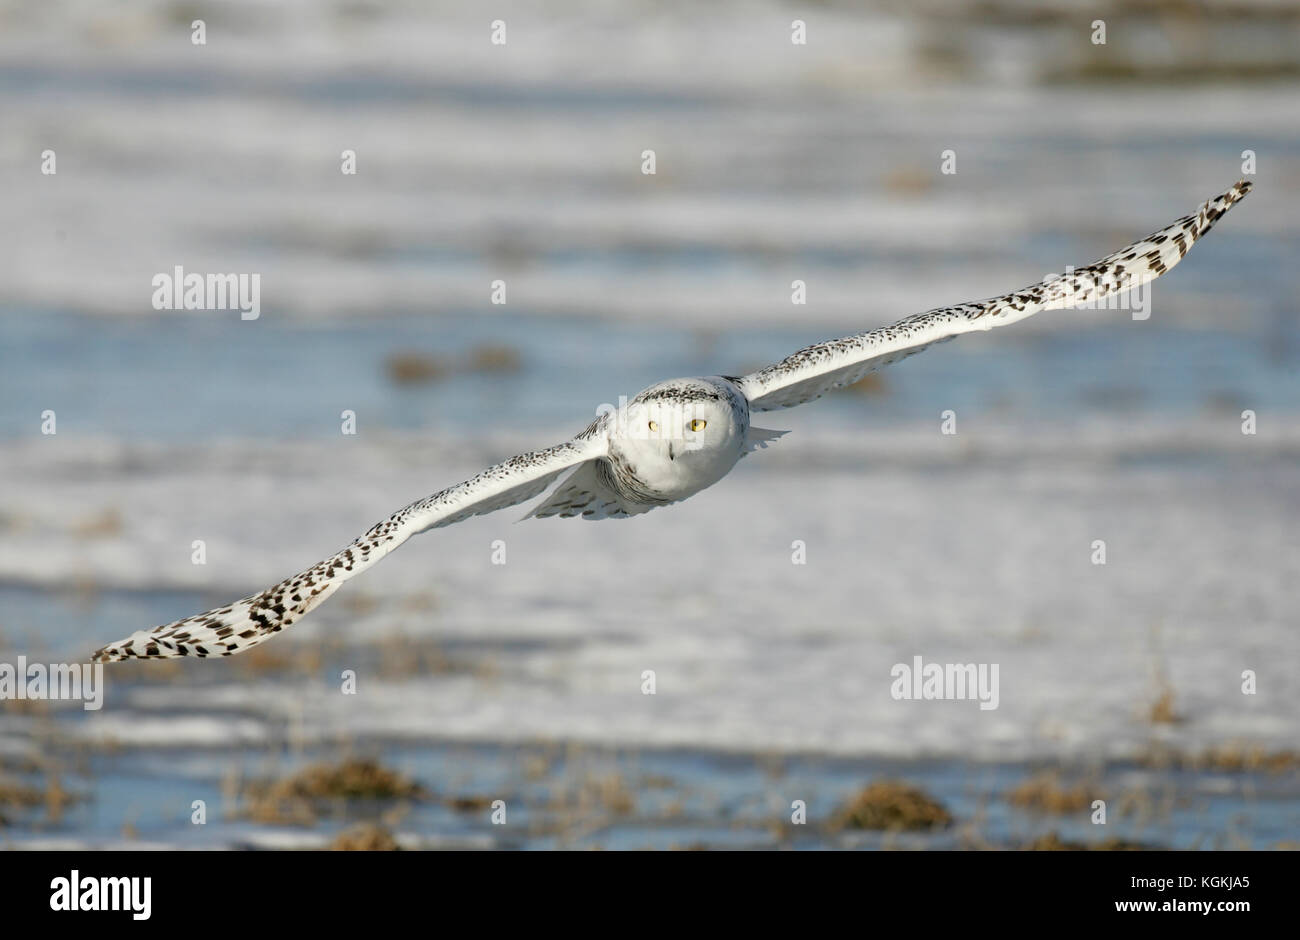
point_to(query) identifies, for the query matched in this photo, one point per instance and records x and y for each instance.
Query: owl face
(686, 437)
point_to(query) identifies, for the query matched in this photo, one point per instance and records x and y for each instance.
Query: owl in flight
(668, 443)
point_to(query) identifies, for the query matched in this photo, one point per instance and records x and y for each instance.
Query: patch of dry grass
(407, 367)
(1163, 711)
(892, 805)
(365, 837)
(1052, 842)
(413, 368)
(18, 796)
(1237, 757)
(495, 358)
(468, 803)
(594, 792)
(1047, 792)
(297, 799)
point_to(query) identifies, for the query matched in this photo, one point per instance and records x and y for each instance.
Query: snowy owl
(670, 442)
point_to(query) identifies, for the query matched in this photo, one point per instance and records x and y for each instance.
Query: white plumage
(673, 440)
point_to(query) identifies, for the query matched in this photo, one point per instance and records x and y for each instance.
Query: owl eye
(697, 424)
(654, 425)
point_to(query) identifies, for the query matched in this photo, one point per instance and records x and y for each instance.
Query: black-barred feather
(815, 370)
(236, 627)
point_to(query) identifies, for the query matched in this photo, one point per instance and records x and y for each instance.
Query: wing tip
(1236, 193)
(108, 654)
(1216, 208)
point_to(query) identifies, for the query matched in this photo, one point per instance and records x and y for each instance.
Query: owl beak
(671, 456)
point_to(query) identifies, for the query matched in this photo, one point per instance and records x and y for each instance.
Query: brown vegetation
(297, 799)
(365, 837)
(891, 805)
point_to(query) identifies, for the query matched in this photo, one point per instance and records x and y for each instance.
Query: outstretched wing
(248, 622)
(816, 370)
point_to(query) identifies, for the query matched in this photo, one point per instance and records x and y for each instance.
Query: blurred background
(775, 162)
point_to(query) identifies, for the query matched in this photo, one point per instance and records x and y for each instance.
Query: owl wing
(815, 370)
(236, 627)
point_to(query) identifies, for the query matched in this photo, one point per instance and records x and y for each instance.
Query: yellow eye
(697, 424)
(654, 425)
